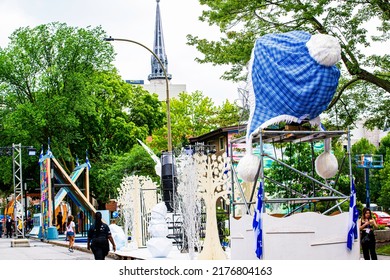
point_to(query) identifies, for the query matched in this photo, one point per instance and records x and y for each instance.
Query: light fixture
(31, 151)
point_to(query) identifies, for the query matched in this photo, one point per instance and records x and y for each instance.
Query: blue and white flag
(353, 217)
(257, 224)
(87, 161)
(77, 161)
(49, 153)
(41, 155)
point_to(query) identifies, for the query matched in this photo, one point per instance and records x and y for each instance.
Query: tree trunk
(212, 249)
(367, 76)
(355, 70)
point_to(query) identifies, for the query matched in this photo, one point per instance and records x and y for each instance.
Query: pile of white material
(119, 236)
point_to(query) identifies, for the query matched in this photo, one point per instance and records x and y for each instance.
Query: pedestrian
(8, 226)
(30, 223)
(1, 228)
(98, 236)
(81, 222)
(70, 232)
(367, 237)
(59, 222)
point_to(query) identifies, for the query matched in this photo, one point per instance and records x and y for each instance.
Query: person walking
(8, 226)
(70, 232)
(367, 237)
(98, 236)
(81, 223)
(59, 222)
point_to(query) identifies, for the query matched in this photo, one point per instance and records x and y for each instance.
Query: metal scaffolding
(18, 190)
(333, 195)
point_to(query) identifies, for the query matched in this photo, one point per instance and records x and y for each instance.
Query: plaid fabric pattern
(286, 82)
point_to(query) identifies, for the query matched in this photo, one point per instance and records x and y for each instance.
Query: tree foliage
(58, 82)
(384, 174)
(109, 172)
(193, 114)
(357, 24)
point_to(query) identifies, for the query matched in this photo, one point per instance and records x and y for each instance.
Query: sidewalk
(45, 250)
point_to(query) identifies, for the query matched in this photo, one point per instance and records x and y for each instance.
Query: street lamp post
(25, 205)
(166, 82)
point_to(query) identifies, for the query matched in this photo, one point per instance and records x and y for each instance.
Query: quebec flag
(87, 161)
(41, 154)
(353, 217)
(49, 152)
(257, 225)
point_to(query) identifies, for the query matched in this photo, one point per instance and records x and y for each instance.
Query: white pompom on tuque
(325, 49)
(248, 165)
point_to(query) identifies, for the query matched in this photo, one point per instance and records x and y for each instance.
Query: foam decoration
(291, 78)
(325, 49)
(248, 165)
(326, 164)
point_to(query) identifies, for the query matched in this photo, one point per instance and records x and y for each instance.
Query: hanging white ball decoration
(326, 165)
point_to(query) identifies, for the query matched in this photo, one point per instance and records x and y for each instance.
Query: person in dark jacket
(98, 236)
(59, 222)
(8, 225)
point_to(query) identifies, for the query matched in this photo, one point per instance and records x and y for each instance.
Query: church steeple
(159, 50)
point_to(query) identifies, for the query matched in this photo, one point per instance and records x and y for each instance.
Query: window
(221, 144)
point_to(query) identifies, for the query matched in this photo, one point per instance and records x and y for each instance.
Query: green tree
(228, 114)
(191, 115)
(242, 22)
(110, 171)
(59, 82)
(384, 174)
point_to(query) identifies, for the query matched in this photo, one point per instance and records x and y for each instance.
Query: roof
(218, 132)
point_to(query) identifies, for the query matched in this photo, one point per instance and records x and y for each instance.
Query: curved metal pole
(166, 82)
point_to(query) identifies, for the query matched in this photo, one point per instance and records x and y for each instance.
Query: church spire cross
(159, 50)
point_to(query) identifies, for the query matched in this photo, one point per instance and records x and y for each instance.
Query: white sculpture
(126, 203)
(190, 203)
(135, 193)
(159, 245)
(213, 179)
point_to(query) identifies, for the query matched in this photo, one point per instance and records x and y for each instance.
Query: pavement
(56, 249)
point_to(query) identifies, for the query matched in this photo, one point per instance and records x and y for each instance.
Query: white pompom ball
(326, 165)
(325, 49)
(247, 167)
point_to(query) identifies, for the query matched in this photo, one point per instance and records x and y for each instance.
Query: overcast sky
(132, 19)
